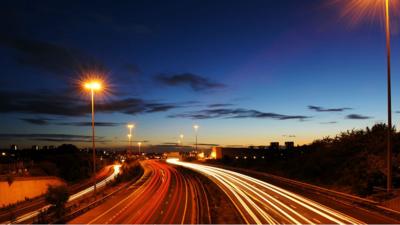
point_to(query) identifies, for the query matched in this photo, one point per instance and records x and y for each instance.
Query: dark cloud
(170, 143)
(36, 121)
(357, 117)
(159, 107)
(50, 103)
(219, 105)
(67, 140)
(47, 56)
(41, 102)
(52, 137)
(88, 124)
(43, 136)
(322, 109)
(207, 144)
(237, 114)
(196, 82)
(330, 122)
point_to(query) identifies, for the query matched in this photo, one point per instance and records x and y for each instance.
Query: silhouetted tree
(354, 160)
(57, 196)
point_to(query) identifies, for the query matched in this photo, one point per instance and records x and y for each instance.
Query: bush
(353, 160)
(57, 196)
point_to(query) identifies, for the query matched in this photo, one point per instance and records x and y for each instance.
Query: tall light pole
(196, 128)
(181, 139)
(357, 9)
(130, 127)
(93, 86)
(139, 144)
(129, 143)
(389, 101)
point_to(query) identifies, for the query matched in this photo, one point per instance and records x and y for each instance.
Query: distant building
(216, 152)
(171, 155)
(274, 146)
(14, 147)
(289, 145)
(237, 153)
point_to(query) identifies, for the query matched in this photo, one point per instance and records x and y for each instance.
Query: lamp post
(369, 8)
(93, 86)
(129, 143)
(130, 127)
(181, 139)
(139, 144)
(389, 99)
(196, 128)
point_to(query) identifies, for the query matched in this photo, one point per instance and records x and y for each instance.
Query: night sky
(248, 72)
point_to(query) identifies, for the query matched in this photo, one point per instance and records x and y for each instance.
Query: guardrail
(90, 205)
(97, 202)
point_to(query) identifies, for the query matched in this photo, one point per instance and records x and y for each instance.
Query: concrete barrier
(25, 187)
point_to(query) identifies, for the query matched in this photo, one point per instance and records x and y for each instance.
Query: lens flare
(372, 11)
(93, 85)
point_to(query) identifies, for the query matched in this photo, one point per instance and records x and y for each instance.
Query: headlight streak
(296, 199)
(262, 202)
(72, 197)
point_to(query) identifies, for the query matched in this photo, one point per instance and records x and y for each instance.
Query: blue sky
(263, 62)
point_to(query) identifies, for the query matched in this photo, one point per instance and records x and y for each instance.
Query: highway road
(259, 202)
(163, 195)
(43, 206)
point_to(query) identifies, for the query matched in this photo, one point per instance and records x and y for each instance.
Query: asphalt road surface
(163, 195)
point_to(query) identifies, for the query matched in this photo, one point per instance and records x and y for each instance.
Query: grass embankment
(221, 209)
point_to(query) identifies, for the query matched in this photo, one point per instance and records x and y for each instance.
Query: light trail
(163, 195)
(260, 202)
(100, 184)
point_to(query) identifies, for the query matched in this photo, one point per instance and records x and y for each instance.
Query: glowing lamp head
(181, 136)
(93, 85)
(130, 126)
(139, 143)
(129, 135)
(196, 127)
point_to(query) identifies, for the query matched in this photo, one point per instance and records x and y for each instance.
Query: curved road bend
(262, 203)
(163, 195)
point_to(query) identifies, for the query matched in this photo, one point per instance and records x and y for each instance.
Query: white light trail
(260, 202)
(100, 184)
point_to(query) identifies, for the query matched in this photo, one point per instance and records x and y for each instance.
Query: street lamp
(389, 101)
(93, 86)
(389, 95)
(181, 139)
(129, 141)
(130, 127)
(368, 8)
(196, 128)
(139, 144)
